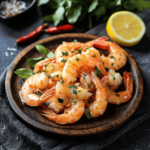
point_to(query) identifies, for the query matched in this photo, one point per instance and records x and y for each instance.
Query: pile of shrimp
(78, 81)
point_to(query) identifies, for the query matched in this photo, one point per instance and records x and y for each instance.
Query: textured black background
(135, 139)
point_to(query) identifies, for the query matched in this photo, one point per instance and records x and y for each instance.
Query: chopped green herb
(85, 106)
(104, 99)
(61, 81)
(60, 100)
(89, 101)
(112, 57)
(44, 70)
(84, 76)
(65, 53)
(118, 66)
(113, 77)
(77, 59)
(79, 50)
(33, 73)
(98, 72)
(112, 64)
(89, 85)
(74, 101)
(88, 114)
(79, 90)
(46, 65)
(74, 91)
(94, 55)
(47, 73)
(63, 60)
(75, 41)
(57, 75)
(39, 93)
(118, 95)
(95, 67)
(39, 71)
(72, 51)
(72, 86)
(106, 69)
(86, 48)
(52, 68)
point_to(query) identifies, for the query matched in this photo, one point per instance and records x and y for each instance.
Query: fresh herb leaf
(65, 53)
(72, 86)
(89, 85)
(98, 72)
(73, 13)
(72, 51)
(39, 71)
(74, 91)
(75, 41)
(63, 60)
(52, 68)
(24, 73)
(112, 64)
(32, 61)
(60, 100)
(57, 75)
(79, 50)
(112, 57)
(41, 49)
(107, 69)
(94, 55)
(95, 67)
(61, 81)
(42, 2)
(88, 114)
(77, 59)
(58, 15)
(84, 76)
(117, 94)
(89, 101)
(48, 18)
(46, 65)
(86, 48)
(39, 93)
(74, 101)
(113, 77)
(118, 66)
(50, 55)
(79, 90)
(93, 5)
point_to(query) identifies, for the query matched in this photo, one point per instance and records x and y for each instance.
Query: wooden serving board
(114, 116)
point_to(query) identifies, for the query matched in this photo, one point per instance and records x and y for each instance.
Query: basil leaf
(50, 55)
(74, 101)
(88, 114)
(98, 72)
(58, 15)
(39, 93)
(48, 18)
(60, 100)
(42, 2)
(74, 91)
(73, 13)
(41, 49)
(93, 5)
(32, 61)
(24, 72)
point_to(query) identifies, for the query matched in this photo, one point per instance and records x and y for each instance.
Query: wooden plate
(114, 116)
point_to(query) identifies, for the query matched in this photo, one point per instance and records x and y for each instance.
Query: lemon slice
(125, 28)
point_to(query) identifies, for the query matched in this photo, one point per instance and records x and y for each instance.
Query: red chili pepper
(59, 29)
(32, 35)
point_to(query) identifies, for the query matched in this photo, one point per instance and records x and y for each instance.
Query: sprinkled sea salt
(6, 54)
(11, 49)
(11, 53)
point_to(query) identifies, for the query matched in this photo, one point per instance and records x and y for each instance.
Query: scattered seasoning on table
(11, 53)
(12, 8)
(6, 54)
(11, 49)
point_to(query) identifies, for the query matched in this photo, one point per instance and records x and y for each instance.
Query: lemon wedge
(125, 28)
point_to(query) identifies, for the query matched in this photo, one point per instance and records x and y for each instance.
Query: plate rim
(59, 131)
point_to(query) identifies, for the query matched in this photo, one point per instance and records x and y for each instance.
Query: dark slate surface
(16, 133)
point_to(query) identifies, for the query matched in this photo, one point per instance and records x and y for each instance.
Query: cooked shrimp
(39, 66)
(98, 106)
(73, 91)
(36, 84)
(114, 78)
(65, 51)
(123, 96)
(70, 115)
(54, 104)
(116, 59)
(73, 65)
